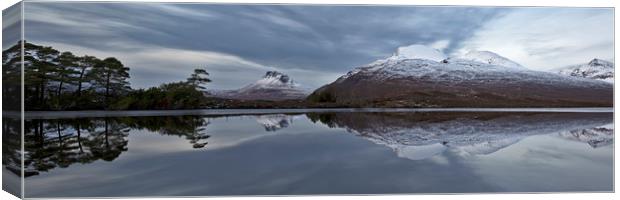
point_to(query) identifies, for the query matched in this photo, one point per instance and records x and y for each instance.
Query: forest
(55, 80)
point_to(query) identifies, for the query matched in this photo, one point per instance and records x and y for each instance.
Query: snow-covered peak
(275, 79)
(599, 62)
(417, 51)
(406, 58)
(273, 86)
(596, 69)
(491, 58)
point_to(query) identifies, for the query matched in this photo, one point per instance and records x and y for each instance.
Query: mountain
(596, 69)
(274, 86)
(422, 135)
(419, 76)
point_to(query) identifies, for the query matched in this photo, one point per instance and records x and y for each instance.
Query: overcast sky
(314, 44)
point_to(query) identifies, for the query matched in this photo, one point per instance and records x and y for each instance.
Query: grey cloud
(326, 39)
(11, 28)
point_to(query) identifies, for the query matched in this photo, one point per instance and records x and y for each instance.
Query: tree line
(55, 80)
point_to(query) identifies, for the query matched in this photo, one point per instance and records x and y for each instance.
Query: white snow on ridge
(273, 86)
(484, 60)
(491, 58)
(596, 69)
(272, 79)
(474, 66)
(415, 51)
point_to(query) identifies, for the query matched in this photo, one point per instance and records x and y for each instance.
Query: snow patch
(407, 59)
(272, 79)
(490, 58)
(596, 69)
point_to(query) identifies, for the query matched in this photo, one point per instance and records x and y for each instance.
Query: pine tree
(199, 79)
(111, 76)
(65, 71)
(12, 77)
(38, 70)
(85, 64)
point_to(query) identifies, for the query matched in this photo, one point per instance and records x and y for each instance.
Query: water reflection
(52, 143)
(274, 122)
(60, 143)
(192, 128)
(423, 135)
(11, 145)
(595, 137)
(400, 152)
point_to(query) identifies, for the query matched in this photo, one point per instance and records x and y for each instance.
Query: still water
(319, 153)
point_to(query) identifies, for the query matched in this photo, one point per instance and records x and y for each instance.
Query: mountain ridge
(477, 80)
(597, 69)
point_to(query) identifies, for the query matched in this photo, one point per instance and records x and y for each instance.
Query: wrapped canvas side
(12, 98)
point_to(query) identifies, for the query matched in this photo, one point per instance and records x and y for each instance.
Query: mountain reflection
(595, 137)
(274, 122)
(418, 136)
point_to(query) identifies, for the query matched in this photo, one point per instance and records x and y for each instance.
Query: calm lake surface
(326, 152)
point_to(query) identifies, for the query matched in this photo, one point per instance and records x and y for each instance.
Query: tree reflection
(191, 128)
(11, 144)
(62, 142)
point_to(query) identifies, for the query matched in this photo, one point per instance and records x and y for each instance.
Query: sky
(313, 44)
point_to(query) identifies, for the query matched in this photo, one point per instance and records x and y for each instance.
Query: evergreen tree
(12, 77)
(38, 68)
(199, 79)
(111, 76)
(64, 73)
(85, 64)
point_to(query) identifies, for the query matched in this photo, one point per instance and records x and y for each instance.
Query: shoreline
(222, 112)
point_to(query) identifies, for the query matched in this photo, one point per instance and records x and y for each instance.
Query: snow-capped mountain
(402, 53)
(596, 69)
(419, 76)
(273, 86)
(418, 136)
